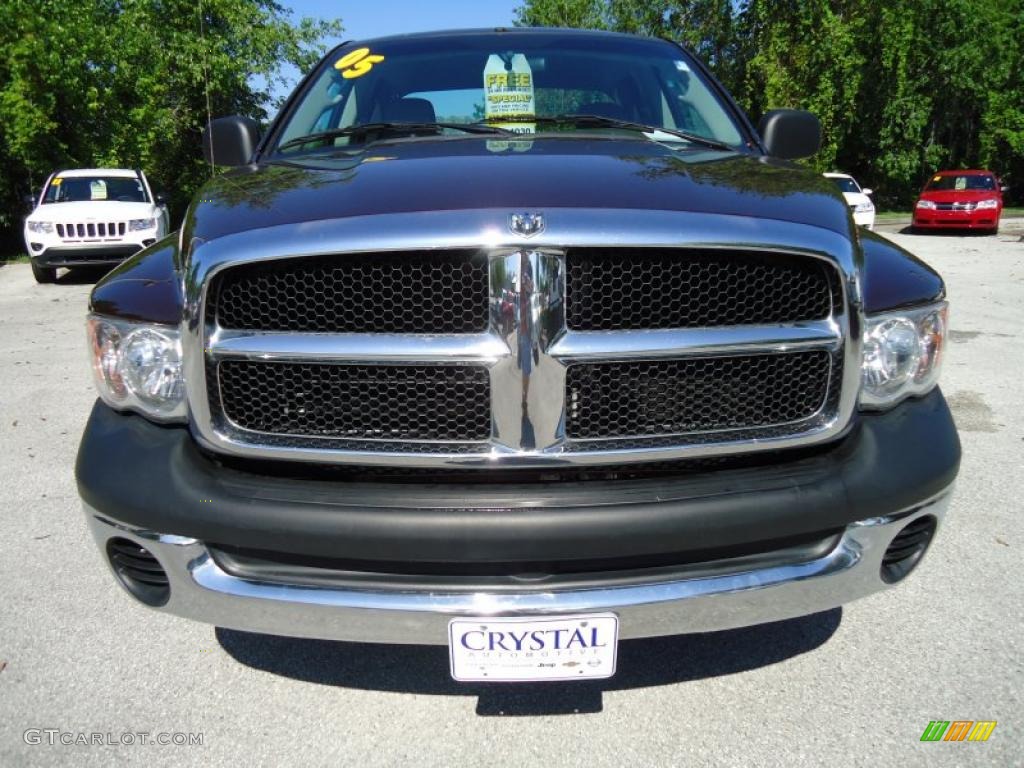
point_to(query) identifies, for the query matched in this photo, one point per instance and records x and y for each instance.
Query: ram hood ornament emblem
(526, 224)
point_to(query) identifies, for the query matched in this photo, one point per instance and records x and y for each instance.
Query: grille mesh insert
(613, 289)
(372, 293)
(362, 402)
(617, 400)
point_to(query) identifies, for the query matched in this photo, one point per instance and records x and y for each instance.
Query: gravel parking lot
(854, 686)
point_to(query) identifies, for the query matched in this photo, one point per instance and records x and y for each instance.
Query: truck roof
(595, 34)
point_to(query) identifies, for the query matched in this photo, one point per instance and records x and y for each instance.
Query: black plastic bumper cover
(156, 478)
(61, 256)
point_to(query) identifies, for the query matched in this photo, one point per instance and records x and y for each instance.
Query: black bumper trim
(67, 256)
(156, 478)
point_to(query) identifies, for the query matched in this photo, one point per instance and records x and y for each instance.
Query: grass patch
(14, 258)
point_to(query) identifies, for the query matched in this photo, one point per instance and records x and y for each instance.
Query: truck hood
(959, 195)
(518, 175)
(93, 210)
(856, 198)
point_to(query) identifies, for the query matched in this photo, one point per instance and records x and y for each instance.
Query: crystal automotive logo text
(536, 640)
(958, 730)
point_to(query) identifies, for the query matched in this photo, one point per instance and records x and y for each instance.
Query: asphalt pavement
(855, 686)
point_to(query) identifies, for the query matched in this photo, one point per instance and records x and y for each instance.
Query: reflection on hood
(515, 174)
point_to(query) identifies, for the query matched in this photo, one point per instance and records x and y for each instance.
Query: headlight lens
(902, 354)
(40, 227)
(864, 207)
(926, 204)
(988, 205)
(138, 367)
(137, 225)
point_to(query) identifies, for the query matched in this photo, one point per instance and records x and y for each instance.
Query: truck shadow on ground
(81, 275)
(952, 232)
(422, 669)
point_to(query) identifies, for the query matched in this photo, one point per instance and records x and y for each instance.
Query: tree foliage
(902, 89)
(125, 82)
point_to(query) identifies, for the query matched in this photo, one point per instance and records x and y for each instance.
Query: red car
(960, 200)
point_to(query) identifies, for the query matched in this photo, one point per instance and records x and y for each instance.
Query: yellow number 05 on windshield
(357, 63)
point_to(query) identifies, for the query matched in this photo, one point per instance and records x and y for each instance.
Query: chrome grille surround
(534, 435)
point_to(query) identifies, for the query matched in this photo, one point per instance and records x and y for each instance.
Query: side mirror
(790, 134)
(867, 191)
(230, 141)
(1004, 189)
(160, 198)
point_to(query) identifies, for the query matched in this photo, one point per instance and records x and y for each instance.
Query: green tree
(902, 89)
(128, 83)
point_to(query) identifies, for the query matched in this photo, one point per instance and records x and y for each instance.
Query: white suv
(92, 216)
(858, 198)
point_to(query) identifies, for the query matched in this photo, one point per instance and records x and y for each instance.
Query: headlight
(138, 367)
(988, 205)
(902, 354)
(864, 207)
(926, 204)
(40, 227)
(137, 225)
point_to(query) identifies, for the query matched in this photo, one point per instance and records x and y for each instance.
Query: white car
(92, 216)
(858, 199)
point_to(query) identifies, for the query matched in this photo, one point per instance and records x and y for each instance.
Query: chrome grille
(620, 288)
(748, 368)
(708, 394)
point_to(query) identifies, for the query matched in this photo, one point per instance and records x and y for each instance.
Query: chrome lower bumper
(201, 590)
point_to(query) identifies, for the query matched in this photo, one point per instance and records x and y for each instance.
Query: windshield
(76, 189)
(966, 181)
(845, 183)
(506, 80)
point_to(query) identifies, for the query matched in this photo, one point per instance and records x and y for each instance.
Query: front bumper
(84, 256)
(978, 219)
(200, 589)
(864, 219)
(711, 549)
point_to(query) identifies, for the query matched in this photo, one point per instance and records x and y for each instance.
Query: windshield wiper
(366, 129)
(601, 121)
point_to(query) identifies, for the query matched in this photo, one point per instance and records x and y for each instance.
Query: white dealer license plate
(521, 649)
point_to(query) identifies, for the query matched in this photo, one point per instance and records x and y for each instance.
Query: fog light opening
(139, 571)
(907, 549)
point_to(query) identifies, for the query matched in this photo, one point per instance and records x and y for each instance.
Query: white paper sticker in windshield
(508, 92)
(682, 66)
(97, 189)
(514, 145)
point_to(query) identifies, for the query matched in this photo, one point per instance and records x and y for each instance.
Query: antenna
(206, 87)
